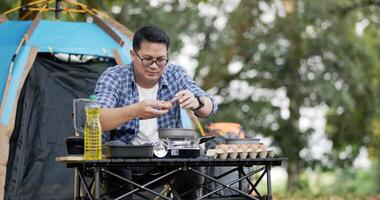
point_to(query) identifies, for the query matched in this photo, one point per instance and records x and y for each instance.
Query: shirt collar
(131, 74)
(162, 82)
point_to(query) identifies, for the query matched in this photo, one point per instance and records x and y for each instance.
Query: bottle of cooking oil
(92, 131)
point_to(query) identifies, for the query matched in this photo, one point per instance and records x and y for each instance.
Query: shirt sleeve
(106, 89)
(186, 82)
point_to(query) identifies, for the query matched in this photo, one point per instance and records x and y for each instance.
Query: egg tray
(242, 155)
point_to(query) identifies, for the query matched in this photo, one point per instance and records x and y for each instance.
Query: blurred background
(303, 75)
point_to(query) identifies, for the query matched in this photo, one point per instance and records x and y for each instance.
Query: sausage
(166, 105)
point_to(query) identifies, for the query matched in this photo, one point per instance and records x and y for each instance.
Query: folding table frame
(90, 187)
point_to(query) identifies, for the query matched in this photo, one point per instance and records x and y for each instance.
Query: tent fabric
(74, 37)
(43, 122)
(51, 36)
(11, 35)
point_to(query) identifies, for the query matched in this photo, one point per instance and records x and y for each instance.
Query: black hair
(151, 34)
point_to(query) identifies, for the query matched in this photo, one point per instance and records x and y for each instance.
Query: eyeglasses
(147, 62)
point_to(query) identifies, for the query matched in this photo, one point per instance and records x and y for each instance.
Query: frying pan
(176, 133)
(181, 133)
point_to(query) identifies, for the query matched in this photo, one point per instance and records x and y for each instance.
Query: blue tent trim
(11, 34)
(14, 84)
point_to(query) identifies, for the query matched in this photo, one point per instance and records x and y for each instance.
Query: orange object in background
(226, 129)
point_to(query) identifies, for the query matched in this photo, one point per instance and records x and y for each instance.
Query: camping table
(177, 164)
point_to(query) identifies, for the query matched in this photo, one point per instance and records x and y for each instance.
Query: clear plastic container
(92, 131)
(79, 114)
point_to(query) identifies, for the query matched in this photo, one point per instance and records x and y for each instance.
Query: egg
(233, 147)
(223, 147)
(263, 146)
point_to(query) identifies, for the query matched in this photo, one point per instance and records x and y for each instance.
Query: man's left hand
(186, 99)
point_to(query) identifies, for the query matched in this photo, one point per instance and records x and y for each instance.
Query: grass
(307, 196)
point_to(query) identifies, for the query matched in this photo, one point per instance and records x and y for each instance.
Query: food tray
(128, 151)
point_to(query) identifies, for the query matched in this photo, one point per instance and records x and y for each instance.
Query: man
(147, 94)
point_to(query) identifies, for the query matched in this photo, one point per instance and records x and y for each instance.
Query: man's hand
(152, 108)
(111, 118)
(186, 99)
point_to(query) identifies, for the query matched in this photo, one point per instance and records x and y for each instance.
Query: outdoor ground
(304, 196)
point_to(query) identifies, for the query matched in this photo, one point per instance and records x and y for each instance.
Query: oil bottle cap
(93, 97)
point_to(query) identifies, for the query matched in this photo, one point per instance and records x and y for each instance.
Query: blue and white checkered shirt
(116, 87)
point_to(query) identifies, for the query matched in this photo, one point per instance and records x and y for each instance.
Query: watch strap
(200, 102)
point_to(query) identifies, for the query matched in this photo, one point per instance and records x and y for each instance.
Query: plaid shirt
(116, 87)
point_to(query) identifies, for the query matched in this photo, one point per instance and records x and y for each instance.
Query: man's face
(148, 76)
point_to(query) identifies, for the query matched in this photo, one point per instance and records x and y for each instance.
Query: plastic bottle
(92, 131)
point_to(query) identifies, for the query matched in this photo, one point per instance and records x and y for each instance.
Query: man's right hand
(111, 118)
(152, 108)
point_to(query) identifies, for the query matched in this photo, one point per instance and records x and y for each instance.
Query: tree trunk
(296, 140)
(293, 170)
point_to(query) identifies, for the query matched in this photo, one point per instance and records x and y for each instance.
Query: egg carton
(252, 154)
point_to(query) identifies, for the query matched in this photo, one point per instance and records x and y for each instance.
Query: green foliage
(341, 183)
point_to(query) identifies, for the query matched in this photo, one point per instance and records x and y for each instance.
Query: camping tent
(44, 65)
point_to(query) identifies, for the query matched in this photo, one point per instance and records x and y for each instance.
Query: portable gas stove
(178, 143)
(182, 148)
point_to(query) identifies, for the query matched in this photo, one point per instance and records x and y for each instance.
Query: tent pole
(118, 26)
(108, 30)
(32, 27)
(114, 23)
(26, 15)
(84, 7)
(117, 57)
(28, 4)
(107, 18)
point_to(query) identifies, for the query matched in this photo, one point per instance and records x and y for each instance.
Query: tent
(44, 65)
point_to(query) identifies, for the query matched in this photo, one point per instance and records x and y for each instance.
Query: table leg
(84, 184)
(76, 185)
(240, 175)
(97, 181)
(228, 185)
(142, 187)
(269, 183)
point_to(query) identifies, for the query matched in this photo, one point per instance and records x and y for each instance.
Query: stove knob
(160, 149)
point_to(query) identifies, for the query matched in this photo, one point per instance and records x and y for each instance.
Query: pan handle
(206, 138)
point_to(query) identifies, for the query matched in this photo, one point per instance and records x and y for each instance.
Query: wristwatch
(200, 102)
